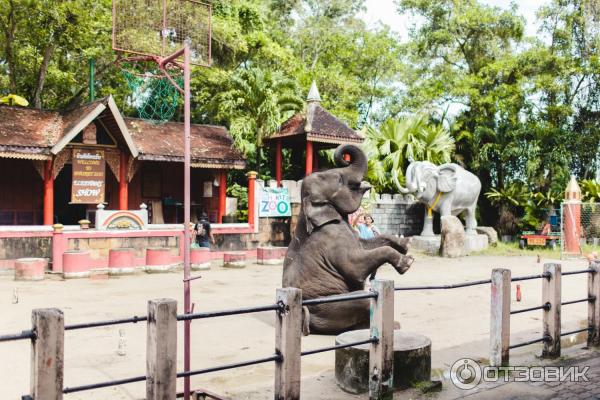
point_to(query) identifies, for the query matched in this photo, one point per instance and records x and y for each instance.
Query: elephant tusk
(402, 189)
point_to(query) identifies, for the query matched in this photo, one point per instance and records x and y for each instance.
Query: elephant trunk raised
(357, 166)
(412, 183)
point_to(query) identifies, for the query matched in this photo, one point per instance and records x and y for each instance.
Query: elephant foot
(404, 264)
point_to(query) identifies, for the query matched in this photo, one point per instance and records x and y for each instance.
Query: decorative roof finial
(313, 94)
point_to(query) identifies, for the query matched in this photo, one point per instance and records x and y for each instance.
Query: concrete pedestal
(30, 269)
(430, 245)
(158, 259)
(76, 264)
(412, 361)
(270, 255)
(121, 261)
(234, 259)
(200, 259)
(476, 242)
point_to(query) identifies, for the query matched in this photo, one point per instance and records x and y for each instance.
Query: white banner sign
(274, 202)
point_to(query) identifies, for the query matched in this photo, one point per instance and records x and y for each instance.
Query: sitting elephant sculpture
(448, 189)
(326, 257)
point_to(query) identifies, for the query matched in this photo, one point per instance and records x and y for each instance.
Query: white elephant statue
(448, 189)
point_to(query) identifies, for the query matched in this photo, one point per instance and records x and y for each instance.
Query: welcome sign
(274, 202)
(88, 176)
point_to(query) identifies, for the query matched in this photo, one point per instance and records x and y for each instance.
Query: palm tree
(256, 102)
(399, 141)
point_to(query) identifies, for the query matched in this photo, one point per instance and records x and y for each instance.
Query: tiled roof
(211, 145)
(318, 125)
(32, 131)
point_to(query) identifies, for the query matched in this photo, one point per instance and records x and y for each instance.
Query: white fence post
(381, 355)
(551, 294)
(500, 317)
(47, 354)
(161, 350)
(594, 305)
(288, 333)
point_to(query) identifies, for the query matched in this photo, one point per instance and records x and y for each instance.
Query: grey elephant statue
(448, 189)
(326, 257)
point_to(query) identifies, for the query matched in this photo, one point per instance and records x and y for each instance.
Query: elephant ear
(318, 213)
(446, 178)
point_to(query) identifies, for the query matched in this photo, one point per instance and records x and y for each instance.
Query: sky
(385, 11)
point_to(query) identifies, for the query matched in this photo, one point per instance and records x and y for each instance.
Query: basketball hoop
(155, 91)
(165, 37)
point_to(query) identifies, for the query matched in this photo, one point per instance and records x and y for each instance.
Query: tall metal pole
(186, 219)
(92, 94)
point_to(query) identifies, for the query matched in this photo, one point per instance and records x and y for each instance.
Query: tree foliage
(397, 142)
(520, 112)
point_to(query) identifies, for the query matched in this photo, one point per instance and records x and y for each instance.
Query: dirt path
(457, 321)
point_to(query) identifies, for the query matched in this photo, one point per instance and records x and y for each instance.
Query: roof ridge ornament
(313, 93)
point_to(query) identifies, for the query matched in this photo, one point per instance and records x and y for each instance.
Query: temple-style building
(144, 164)
(313, 129)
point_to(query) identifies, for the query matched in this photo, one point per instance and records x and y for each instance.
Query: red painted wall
(170, 185)
(21, 189)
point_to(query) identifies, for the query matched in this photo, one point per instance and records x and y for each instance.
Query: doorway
(65, 212)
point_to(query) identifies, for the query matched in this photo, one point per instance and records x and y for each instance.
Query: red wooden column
(278, 162)
(222, 195)
(309, 157)
(48, 192)
(123, 187)
(251, 191)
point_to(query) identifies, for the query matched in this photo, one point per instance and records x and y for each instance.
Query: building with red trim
(144, 164)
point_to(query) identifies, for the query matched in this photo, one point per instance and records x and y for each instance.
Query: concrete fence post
(500, 317)
(594, 305)
(47, 355)
(288, 331)
(551, 321)
(161, 350)
(381, 354)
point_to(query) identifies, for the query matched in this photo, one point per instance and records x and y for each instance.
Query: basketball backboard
(161, 27)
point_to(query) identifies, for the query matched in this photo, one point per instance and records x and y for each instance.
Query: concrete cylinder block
(121, 261)
(270, 255)
(200, 258)
(30, 269)
(412, 361)
(234, 259)
(76, 264)
(158, 259)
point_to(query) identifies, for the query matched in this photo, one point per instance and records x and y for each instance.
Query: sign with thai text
(88, 176)
(274, 202)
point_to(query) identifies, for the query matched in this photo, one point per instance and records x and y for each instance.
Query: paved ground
(587, 361)
(457, 321)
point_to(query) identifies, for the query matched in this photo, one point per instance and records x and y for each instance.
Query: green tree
(254, 105)
(397, 142)
(45, 46)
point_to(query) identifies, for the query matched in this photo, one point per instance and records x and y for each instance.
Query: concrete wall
(12, 248)
(399, 215)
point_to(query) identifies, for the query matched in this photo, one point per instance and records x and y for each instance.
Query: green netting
(152, 94)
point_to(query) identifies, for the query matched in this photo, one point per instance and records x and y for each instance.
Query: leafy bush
(241, 194)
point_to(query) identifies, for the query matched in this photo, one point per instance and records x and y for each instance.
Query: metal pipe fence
(289, 310)
(49, 326)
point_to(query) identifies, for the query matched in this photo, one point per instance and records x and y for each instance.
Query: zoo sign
(274, 202)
